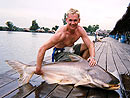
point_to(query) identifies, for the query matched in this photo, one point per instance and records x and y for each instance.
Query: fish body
(77, 72)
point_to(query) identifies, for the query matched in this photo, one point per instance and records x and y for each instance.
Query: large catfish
(77, 72)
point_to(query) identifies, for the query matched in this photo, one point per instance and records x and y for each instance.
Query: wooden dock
(112, 55)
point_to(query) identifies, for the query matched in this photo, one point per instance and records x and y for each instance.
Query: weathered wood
(102, 60)
(97, 46)
(112, 94)
(97, 93)
(61, 91)
(98, 52)
(122, 64)
(17, 91)
(11, 86)
(6, 78)
(21, 92)
(43, 90)
(79, 92)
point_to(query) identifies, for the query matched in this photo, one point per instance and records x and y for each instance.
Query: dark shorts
(59, 54)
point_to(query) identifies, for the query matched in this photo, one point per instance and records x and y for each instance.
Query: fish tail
(22, 69)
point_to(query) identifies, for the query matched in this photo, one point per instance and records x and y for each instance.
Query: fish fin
(25, 74)
(74, 58)
(24, 78)
(67, 81)
(16, 65)
(82, 82)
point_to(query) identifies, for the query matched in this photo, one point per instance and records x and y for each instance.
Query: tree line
(36, 28)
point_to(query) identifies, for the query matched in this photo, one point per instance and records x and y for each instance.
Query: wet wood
(110, 54)
(79, 92)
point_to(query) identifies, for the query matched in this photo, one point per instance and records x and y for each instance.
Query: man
(66, 36)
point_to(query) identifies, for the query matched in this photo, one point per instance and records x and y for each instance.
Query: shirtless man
(66, 36)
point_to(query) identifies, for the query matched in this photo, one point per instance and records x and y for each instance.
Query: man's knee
(84, 51)
(83, 47)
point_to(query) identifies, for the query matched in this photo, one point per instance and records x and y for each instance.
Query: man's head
(73, 11)
(73, 18)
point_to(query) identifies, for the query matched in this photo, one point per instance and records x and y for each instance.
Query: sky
(49, 13)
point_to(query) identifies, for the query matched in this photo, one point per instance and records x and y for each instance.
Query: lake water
(22, 46)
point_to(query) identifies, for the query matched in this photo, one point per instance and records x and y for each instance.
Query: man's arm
(90, 46)
(49, 44)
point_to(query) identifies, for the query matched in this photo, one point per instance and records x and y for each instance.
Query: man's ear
(79, 20)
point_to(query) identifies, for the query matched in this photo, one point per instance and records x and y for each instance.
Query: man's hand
(92, 61)
(38, 71)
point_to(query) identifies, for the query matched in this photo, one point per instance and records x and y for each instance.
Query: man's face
(73, 20)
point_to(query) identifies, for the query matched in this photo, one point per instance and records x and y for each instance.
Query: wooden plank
(11, 86)
(98, 52)
(102, 59)
(79, 92)
(125, 62)
(124, 56)
(43, 90)
(21, 91)
(120, 66)
(122, 53)
(110, 60)
(110, 64)
(113, 94)
(61, 91)
(17, 91)
(111, 45)
(97, 93)
(109, 50)
(101, 93)
(97, 45)
(6, 78)
(112, 69)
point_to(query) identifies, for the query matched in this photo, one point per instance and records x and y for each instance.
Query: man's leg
(84, 51)
(81, 50)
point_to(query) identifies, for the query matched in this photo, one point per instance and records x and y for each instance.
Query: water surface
(22, 46)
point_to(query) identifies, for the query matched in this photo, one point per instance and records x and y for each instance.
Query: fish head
(101, 78)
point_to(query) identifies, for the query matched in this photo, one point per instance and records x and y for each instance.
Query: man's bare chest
(70, 40)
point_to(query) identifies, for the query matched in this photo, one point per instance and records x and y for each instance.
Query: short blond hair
(73, 11)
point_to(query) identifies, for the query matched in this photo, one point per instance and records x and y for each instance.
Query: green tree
(10, 25)
(91, 29)
(55, 28)
(64, 20)
(86, 29)
(46, 29)
(95, 27)
(34, 25)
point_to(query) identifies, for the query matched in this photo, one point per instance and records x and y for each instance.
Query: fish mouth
(113, 87)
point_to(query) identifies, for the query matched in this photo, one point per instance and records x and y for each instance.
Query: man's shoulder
(62, 28)
(80, 28)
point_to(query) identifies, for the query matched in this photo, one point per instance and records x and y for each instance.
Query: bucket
(123, 38)
(112, 36)
(117, 36)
